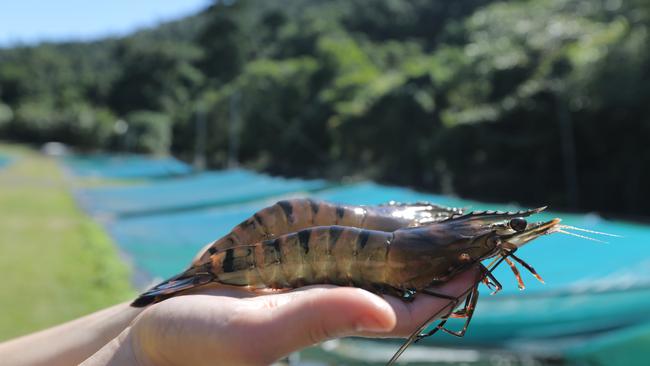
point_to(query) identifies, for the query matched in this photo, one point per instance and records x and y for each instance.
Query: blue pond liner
(125, 166)
(564, 261)
(5, 161)
(162, 245)
(190, 192)
(627, 346)
(591, 287)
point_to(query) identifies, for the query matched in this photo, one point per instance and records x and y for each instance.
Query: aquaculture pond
(592, 307)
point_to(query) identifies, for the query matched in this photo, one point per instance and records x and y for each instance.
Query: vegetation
(58, 263)
(538, 101)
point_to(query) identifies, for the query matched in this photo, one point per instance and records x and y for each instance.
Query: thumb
(317, 314)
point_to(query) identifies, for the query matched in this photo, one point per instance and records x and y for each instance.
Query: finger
(304, 318)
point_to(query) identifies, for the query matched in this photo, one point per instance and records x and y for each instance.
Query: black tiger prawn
(396, 249)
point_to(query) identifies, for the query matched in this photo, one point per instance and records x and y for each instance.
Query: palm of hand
(231, 326)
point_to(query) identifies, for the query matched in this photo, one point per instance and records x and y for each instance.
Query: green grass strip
(57, 264)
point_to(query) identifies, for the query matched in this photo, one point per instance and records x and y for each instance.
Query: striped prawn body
(393, 262)
(325, 254)
(293, 215)
(299, 242)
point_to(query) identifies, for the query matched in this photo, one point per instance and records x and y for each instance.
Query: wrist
(119, 351)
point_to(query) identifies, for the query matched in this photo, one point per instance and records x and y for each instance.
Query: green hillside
(539, 101)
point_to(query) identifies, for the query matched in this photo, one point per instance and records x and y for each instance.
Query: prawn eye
(518, 224)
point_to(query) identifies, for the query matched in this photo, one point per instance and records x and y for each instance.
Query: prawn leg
(492, 283)
(527, 266)
(515, 271)
(452, 304)
(467, 312)
(417, 334)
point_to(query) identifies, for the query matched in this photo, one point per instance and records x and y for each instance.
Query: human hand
(230, 326)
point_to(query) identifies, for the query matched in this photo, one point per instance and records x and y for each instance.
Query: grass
(57, 263)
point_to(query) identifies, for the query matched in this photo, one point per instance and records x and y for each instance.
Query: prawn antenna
(580, 236)
(588, 231)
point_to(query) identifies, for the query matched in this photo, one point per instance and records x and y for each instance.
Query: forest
(538, 101)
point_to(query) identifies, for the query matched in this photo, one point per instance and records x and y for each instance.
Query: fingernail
(372, 321)
(370, 324)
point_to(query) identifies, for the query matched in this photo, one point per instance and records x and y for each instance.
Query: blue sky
(31, 21)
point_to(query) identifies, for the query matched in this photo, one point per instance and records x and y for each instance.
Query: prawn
(396, 249)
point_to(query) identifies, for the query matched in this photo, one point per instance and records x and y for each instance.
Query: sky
(32, 21)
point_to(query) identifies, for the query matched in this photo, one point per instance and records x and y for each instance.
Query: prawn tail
(191, 278)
